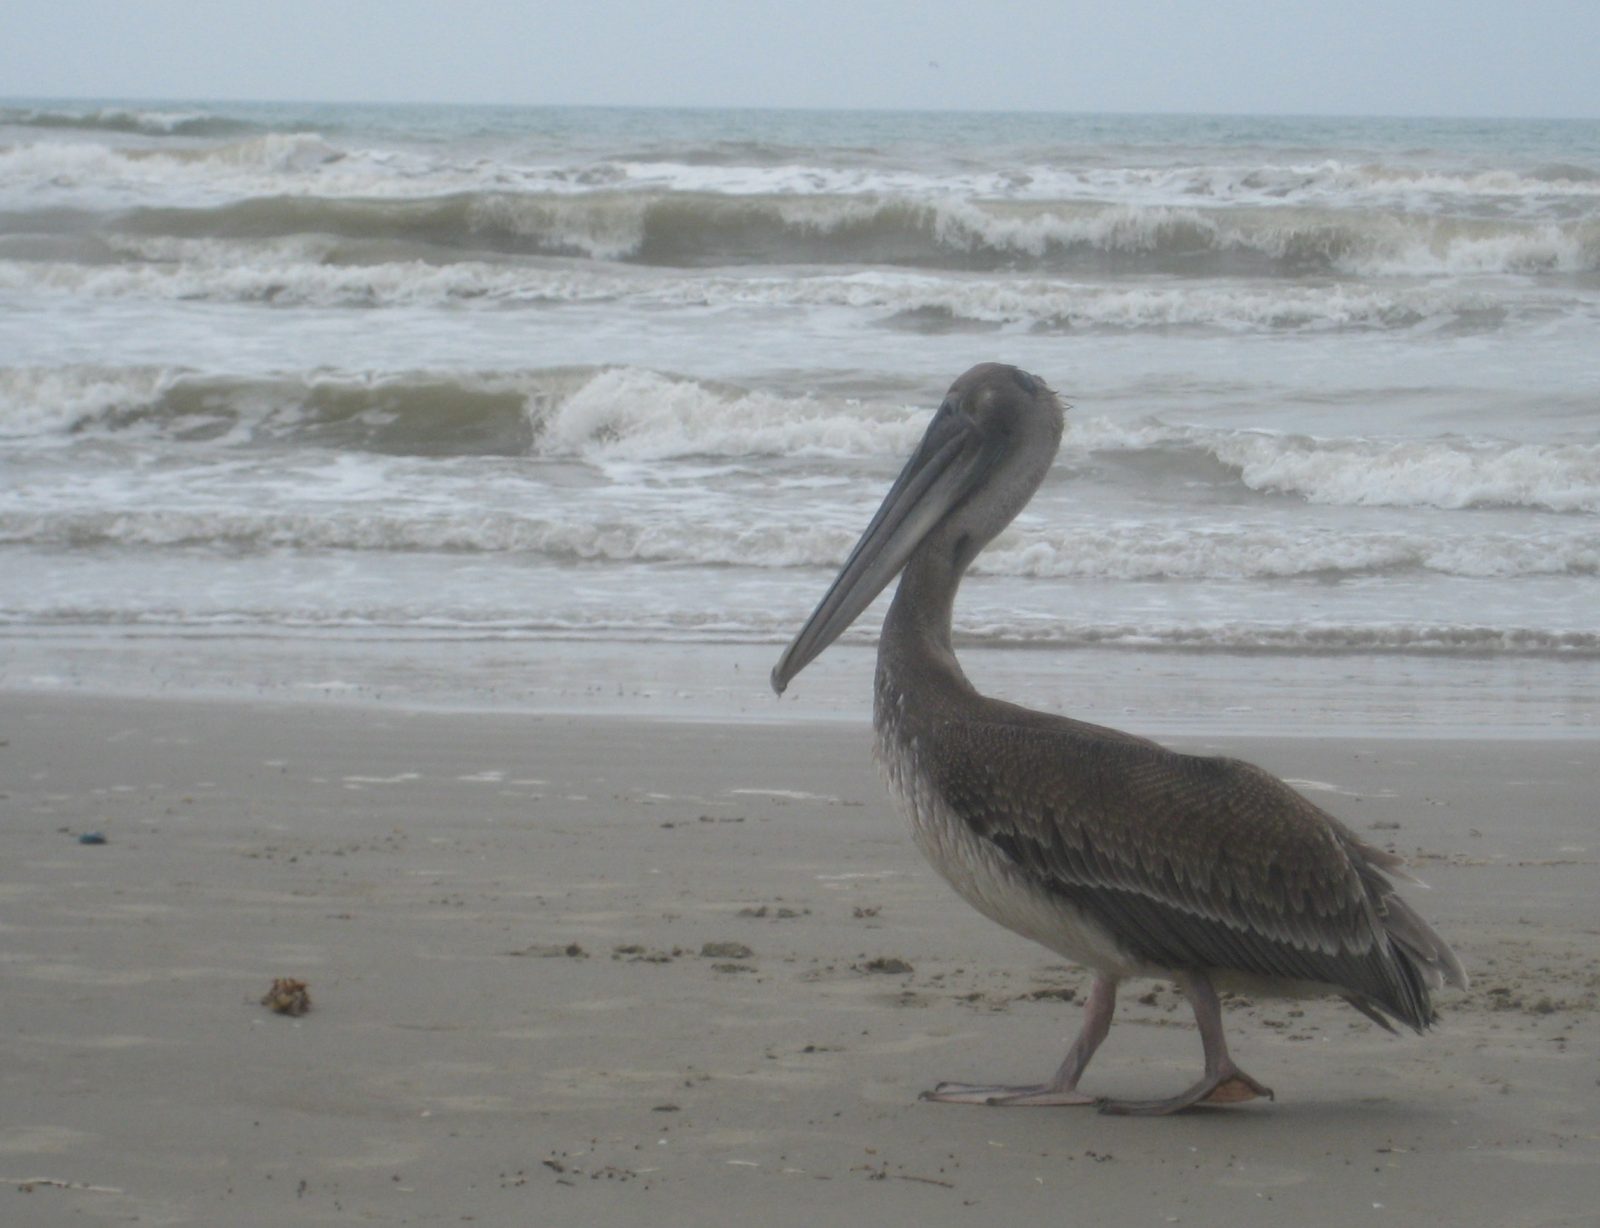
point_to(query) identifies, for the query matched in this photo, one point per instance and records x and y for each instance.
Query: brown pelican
(1122, 856)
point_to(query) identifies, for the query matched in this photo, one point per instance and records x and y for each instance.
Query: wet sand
(581, 970)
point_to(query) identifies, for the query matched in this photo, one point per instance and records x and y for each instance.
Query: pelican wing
(1193, 862)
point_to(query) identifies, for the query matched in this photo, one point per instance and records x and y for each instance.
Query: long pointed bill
(943, 469)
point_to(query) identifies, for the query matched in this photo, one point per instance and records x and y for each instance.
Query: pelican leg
(1223, 1081)
(1063, 1085)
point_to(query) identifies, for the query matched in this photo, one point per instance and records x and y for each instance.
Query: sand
(580, 970)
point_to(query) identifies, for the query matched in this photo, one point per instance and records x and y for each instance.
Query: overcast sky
(1388, 57)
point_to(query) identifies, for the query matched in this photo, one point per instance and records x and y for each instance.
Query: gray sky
(1392, 57)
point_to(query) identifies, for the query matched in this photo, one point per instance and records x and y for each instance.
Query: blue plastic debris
(92, 837)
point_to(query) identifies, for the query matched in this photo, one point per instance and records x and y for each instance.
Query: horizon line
(782, 108)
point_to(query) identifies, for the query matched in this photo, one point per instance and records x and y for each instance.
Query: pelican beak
(947, 464)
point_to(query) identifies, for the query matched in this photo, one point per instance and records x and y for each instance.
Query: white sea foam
(1432, 473)
(44, 401)
(1449, 472)
(630, 414)
(1164, 550)
(377, 507)
(298, 162)
(307, 272)
(82, 174)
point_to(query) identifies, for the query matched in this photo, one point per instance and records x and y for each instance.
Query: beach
(401, 508)
(575, 968)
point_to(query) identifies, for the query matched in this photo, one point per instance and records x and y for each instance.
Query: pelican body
(1116, 853)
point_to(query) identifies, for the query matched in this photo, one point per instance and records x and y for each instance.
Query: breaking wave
(1450, 473)
(686, 230)
(611, 413)
(699, 229)
(137, 121)
(328, 272)
(604, 414)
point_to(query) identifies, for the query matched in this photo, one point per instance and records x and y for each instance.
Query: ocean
(526, 406)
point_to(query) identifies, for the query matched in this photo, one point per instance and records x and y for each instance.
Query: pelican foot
(1037, 1095)
(1236, 1090)
(1228, 1086)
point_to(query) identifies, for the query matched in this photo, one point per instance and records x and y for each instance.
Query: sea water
(521, 404)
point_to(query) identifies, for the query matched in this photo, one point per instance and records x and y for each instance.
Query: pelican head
(984, 454)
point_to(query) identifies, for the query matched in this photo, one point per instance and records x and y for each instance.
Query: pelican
(1124, 857)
